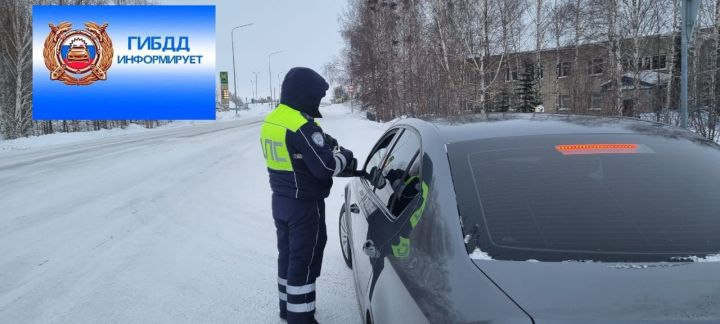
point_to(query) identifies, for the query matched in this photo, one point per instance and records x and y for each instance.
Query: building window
(564, 69)
(659, 62)
(564, 102)
(489, 76)
(645, 63)
(596, 101)
(539, 69)
(597, 66)
(628, 65)
(510, 75)
(655, 62)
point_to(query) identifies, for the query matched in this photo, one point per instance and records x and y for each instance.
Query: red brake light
(577, 149)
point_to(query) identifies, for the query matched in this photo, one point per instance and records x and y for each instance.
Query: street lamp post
(689, 13)
(270, 74)
(280, 79)
(256, 84)
(232, 36)
(252, 85)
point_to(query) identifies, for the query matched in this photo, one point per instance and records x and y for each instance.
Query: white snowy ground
(171, 225)
(68, 138)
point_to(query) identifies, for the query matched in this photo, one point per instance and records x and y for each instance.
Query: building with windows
(583, 79)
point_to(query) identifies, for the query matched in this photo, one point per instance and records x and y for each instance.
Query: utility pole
(270, 75)
(280, 79)
(256, 84)
(688, 12)
(252, 86)
(232, 36)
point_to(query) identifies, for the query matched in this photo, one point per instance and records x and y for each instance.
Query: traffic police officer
(301, 162)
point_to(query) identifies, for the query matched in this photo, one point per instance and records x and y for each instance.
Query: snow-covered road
(167, 226)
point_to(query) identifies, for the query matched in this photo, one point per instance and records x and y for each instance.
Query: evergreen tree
(502, 101)
(527, 89)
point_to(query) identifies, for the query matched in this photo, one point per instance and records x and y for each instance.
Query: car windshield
(614, 198)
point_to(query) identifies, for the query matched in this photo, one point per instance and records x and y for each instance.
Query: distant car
(535, 219)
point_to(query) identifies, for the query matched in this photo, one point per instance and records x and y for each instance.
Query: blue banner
(123, 62)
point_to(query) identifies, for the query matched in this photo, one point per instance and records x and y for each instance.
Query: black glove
(350, 165)
(347, 154)
(349, 170)
(331, 141)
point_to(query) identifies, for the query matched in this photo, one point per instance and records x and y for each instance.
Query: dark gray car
(536, 219)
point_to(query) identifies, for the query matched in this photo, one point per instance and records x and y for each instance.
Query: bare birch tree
(16, 58)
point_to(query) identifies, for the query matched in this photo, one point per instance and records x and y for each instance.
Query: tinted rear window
(624, 198)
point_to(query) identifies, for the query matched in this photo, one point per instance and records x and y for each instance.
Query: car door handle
(369, 249)
(354, 209)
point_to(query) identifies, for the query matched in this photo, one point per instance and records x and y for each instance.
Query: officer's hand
(349, 170)
(347, 154)
(350, 166)
(331, 141)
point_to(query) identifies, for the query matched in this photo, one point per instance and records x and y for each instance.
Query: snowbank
(66, 138)
(255, 110)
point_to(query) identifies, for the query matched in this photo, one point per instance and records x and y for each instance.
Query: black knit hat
(303, 89)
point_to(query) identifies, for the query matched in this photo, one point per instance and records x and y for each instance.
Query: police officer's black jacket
(300, 163)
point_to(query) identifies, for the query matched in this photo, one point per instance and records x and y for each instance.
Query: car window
(400, 181)
(406, 189)
(607, 198)
(382, 146)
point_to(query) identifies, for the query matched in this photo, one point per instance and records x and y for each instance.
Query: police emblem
(78, 57)
(318, 139)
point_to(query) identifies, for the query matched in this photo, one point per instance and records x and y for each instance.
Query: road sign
(224, 92)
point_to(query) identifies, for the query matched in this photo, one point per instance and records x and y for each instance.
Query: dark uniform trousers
(301, 238)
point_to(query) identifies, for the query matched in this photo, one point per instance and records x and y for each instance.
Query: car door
(397, 184)
(359, 207)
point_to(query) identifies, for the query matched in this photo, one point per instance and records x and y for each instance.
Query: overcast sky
(307, 31)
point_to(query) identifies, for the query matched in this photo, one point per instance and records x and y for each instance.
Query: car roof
(499, 125)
